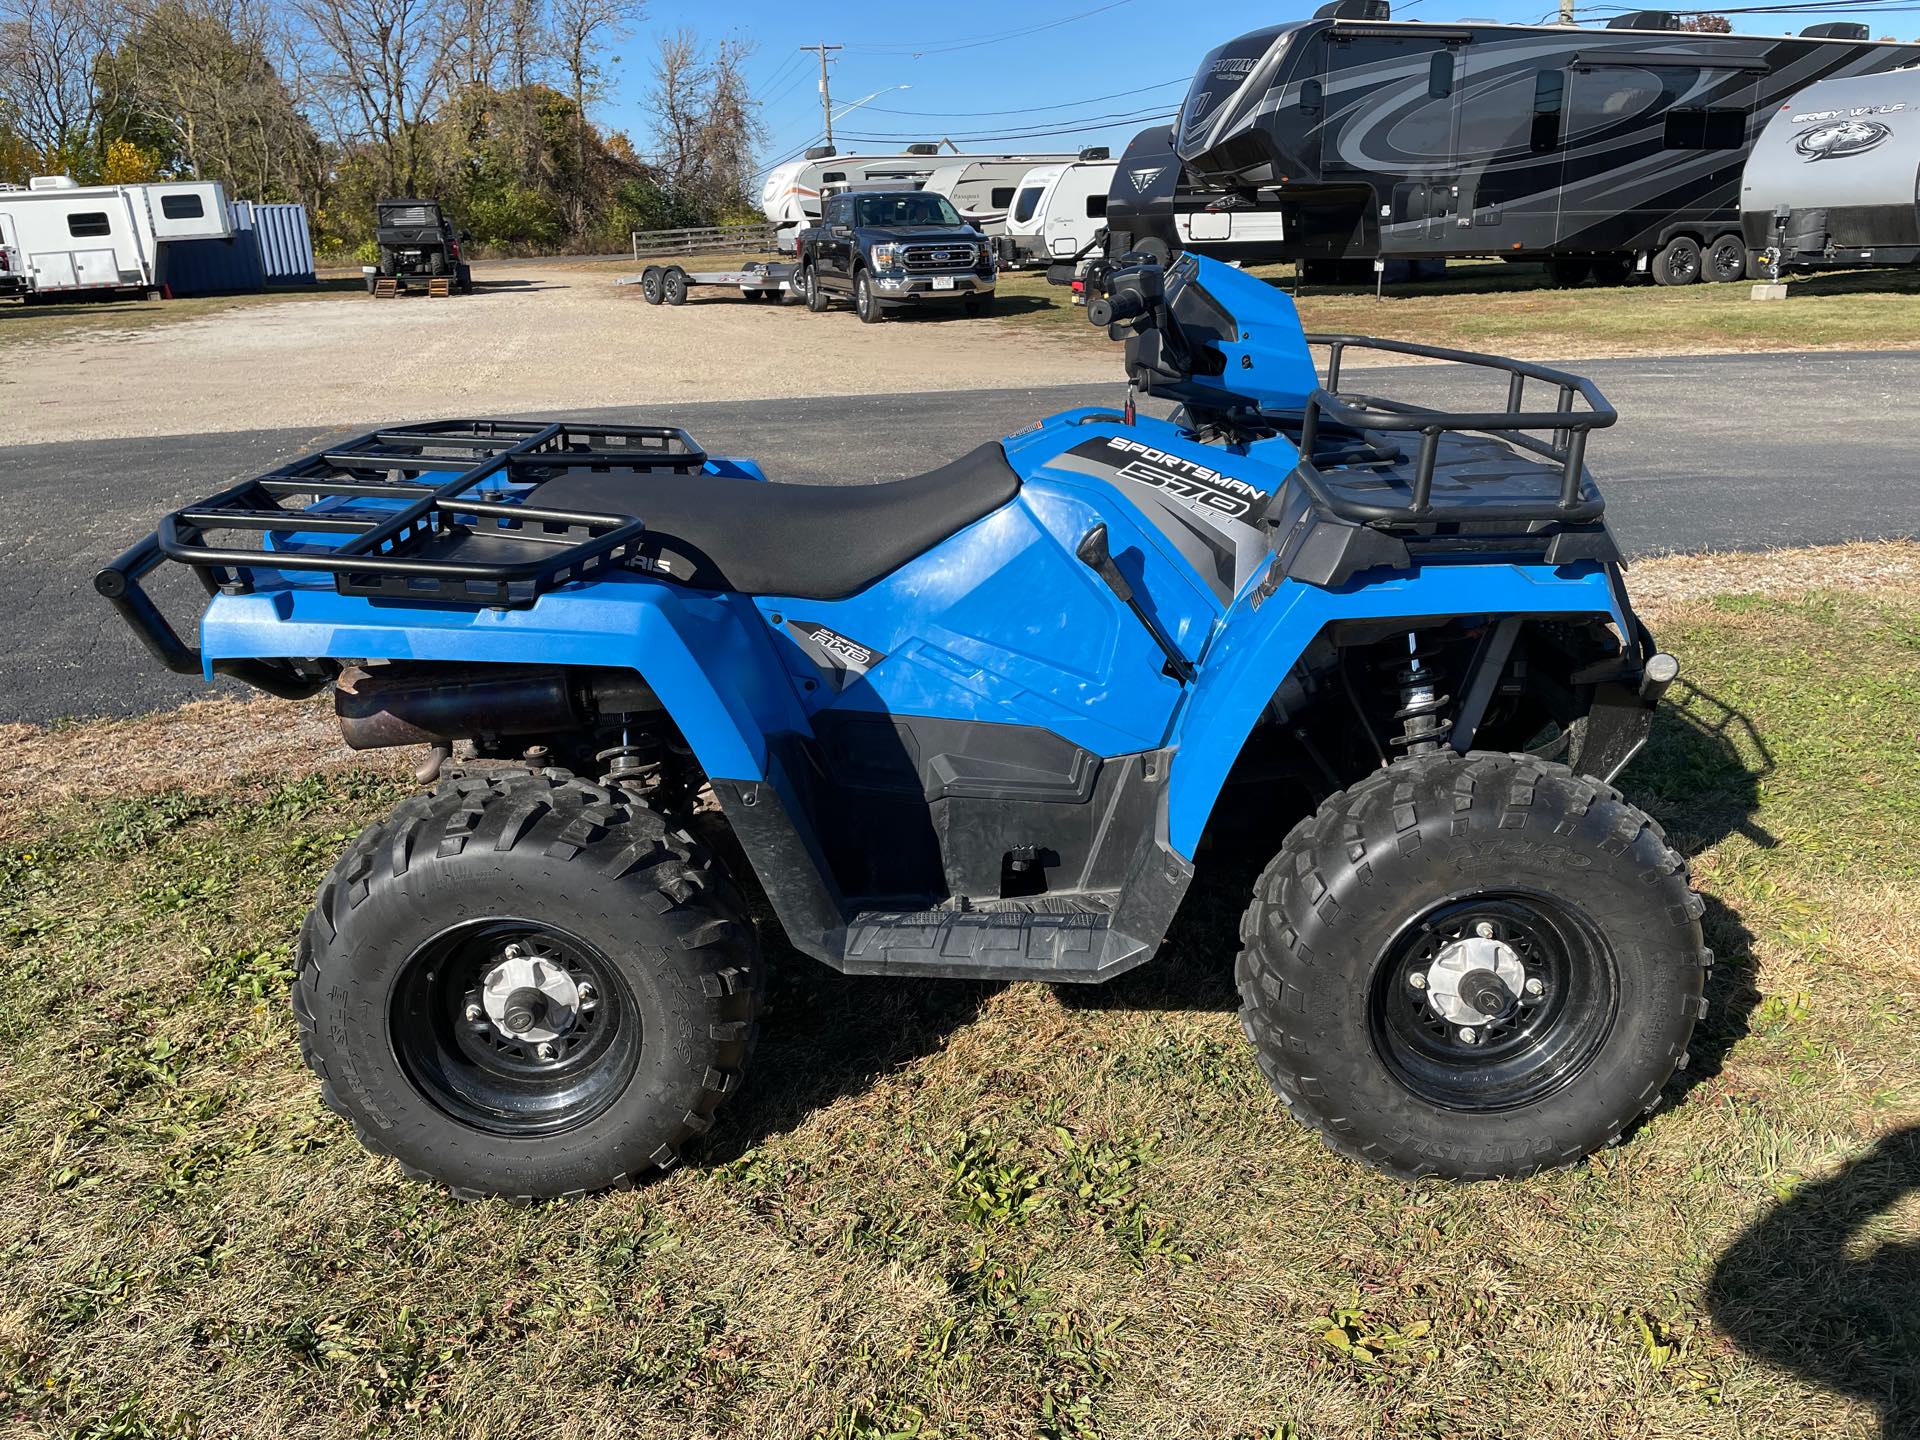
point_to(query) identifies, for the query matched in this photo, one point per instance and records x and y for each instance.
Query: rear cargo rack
(367, 514)
(1390, 495)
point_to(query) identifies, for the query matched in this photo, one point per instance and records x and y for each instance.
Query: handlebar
(1111, 309)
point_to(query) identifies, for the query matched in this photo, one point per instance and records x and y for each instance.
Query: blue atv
(978, 723)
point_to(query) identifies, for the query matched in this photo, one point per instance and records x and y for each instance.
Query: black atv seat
(817, 542)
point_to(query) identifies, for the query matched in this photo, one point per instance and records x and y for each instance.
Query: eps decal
(1199, 485)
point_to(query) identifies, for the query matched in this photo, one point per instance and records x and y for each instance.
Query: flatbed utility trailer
(670, 284)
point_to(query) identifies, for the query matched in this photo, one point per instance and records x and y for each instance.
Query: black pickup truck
(887, 248)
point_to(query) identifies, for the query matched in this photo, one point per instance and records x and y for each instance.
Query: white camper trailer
(982, 187)
(1057, 211)
(1832, 180)
(78, 238)
(790, 195)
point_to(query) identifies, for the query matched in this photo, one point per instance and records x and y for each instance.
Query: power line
(941, 47)
(1079, 129)
(1029, 109)
(1070, 122)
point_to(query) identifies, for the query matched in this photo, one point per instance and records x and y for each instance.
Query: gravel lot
(533, 339)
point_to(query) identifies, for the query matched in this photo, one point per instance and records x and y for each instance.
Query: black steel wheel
(1569, 270)
(1612, 269)
(1726, 259)
(515, 1028)
(1472, 966)
(1678, 263)
(652, 284)
(1494, 1001)
(527, 985)
(673, 285)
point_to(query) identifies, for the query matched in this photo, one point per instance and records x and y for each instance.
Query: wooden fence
(697, 239)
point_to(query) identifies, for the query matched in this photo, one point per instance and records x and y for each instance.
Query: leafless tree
(581, 30)
(388, 63)
(48, 53)
(705, 120)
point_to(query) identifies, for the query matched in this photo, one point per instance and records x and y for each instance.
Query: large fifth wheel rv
(1596, 149)
(74, 239)
(982, 188)
(1834, 179)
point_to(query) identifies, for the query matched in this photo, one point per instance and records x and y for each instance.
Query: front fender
(1260, 639)
(706, 656)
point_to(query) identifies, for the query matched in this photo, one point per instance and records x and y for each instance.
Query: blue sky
(1130, 46)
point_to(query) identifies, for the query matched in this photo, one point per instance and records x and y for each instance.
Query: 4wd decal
(843, 659)
(1200, 485)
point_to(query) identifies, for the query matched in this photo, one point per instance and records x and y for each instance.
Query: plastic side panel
(1001, 623)
(1257, 646)
(707, 657)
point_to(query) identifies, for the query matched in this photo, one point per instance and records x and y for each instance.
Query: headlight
(885, 256)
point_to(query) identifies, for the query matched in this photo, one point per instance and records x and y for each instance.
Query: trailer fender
(1262, 637)
(707, 657)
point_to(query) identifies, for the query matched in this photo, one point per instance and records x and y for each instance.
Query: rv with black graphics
(1602, 151)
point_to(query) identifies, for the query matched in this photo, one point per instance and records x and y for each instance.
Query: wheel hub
(1474, 981)
(530, 999)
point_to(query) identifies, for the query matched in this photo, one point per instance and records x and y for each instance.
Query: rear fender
(707, 657)
(1263, 636)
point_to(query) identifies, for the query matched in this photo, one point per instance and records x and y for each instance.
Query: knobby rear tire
(1349, 884)
(553, 850)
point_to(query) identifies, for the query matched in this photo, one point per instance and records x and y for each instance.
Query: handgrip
(1093, 553)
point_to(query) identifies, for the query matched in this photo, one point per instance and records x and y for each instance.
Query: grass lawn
(20, 322)
(1511, 309)
(944, 1209)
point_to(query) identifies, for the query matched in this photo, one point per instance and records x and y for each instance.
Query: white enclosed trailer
(1834, 179)
(75, 238)
(1057, 211)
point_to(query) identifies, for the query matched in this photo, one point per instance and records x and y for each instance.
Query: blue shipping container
(270, 246)
(286, 244)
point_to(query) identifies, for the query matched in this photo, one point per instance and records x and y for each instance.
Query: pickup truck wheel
(1679, 263)
(527, 986)
(865, 303)
(810, 287)
(980, 303)
(1472, 966)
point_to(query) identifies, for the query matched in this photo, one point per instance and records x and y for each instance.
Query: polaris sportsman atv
(977, 723)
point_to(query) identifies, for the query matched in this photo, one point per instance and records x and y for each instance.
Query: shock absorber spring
(1423, 726)
(634, 763)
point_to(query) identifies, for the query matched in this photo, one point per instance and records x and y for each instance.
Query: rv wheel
(1726, 259)
(1612, 270)
(1569, 270)
(1678, 264)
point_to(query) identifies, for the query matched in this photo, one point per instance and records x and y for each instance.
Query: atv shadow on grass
(1806, 1288)
(1699, 776)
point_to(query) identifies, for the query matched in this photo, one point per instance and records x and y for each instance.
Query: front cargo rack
(420, 513)
(1486, 481)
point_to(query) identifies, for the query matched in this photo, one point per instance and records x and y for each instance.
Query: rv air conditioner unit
(821, 152)
(1645, 20)
(1836, 30)
(1096, 152)
(53, 182)
(923, 147)
(1354, 10)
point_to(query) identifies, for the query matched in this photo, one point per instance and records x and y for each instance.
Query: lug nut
(475, 1015)
(1534, 987)
(1484, 930)
(587, 998)
(1418, 979)
(1468, 1035)
(545, 1051)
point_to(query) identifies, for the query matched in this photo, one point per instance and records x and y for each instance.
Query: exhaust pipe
(437, 704)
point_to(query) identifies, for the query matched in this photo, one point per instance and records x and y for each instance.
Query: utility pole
(1566, 12)
(826, 98)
